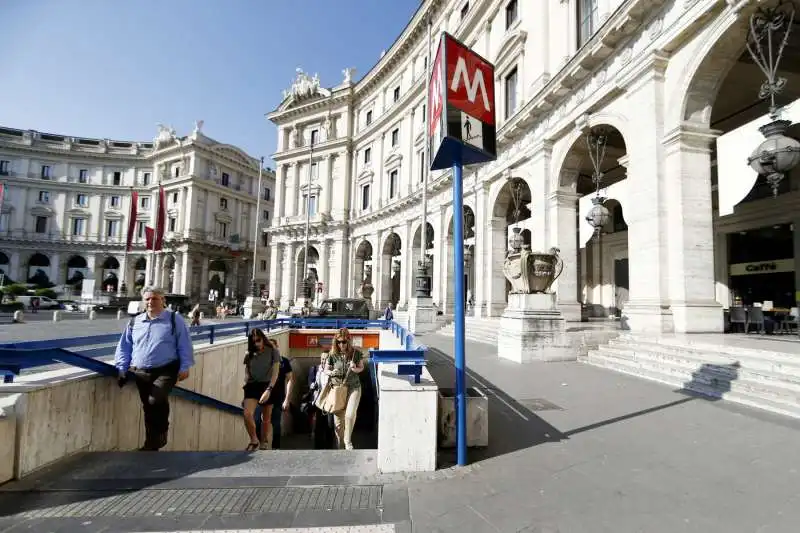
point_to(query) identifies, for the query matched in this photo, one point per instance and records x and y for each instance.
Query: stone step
(710, 381)
(748, 366)
(769, 361)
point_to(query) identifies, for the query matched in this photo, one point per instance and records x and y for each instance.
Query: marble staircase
(763, 379)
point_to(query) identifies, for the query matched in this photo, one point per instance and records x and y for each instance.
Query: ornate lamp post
(766, 39)
(598, 215)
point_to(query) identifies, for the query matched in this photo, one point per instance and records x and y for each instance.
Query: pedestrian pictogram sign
(461, 106)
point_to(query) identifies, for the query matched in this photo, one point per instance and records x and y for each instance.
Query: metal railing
(83, 352)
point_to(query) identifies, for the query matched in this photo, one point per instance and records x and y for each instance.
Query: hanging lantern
(777, 155)
(598, 215)
(395, 265)
(516, 240)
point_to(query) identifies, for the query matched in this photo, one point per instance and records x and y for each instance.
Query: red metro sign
(461, 104)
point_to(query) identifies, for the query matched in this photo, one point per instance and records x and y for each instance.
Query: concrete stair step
(688, 345)
(773, 362)
(708, 381)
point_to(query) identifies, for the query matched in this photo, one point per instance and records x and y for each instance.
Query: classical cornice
(326, 148)
(308, 105)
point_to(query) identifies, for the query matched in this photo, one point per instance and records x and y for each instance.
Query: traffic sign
(461, 105)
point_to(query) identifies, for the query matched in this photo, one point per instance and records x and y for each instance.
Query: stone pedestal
(252, 307)
(533, 329)
(421, 315)
(477, 418)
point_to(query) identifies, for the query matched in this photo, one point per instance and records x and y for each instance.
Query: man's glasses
(341, 342)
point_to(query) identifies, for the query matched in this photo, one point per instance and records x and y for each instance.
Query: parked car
(344, 308)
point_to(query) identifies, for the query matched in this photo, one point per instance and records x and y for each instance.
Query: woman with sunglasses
(344, 365)
(262, 363)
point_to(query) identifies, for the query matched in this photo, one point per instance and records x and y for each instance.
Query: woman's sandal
(253, 446)
(264, 446)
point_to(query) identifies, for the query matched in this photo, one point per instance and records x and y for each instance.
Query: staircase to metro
(760, 378)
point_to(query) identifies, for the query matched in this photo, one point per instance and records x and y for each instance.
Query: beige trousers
(345, 419)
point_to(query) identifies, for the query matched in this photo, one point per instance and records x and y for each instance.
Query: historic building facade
(66, 212)
(621, 101)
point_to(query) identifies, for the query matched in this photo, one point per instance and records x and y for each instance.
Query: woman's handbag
(333, 398)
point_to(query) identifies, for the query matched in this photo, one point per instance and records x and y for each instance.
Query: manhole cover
(539, 404)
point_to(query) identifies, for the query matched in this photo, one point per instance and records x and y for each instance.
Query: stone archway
(429, 256)
(305, 288)
(718, 196)
(392, 269)
(362, 270)
(595, 263)
(110, 271)
(218, 278)
(5, 269)
(39, 270)
(469, 261)
(511, 209)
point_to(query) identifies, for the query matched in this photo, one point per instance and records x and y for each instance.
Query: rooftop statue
(303, 85)
(166, 135)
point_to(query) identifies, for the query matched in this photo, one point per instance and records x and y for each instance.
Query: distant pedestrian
(387, 313)
(157, 348)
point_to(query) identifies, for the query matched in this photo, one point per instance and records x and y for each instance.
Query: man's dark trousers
(154, 386)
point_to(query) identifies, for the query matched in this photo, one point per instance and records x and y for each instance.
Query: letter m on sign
(470, 81)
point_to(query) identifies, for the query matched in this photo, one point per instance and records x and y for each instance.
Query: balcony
(56, 237)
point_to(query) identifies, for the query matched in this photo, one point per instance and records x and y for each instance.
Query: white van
(44, 302)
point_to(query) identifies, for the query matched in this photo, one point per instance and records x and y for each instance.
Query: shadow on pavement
(512, 425)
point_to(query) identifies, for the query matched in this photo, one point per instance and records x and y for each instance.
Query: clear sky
(114, 68)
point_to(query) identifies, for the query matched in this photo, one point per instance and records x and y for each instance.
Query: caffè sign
(762, 267)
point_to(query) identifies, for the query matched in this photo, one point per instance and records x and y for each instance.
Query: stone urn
(366, 290)
(532, 272)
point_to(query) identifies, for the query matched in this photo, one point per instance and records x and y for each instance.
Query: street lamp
(766, 39)
(596, 142)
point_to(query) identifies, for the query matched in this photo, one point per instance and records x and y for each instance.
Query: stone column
(690, 246)
(328, 185)
(564, 231)
(280, 193)
(406, 265)
(380, 270)
(338, 268)
(648, 228)
(480, 258)
(722, 270)
(186, 275)
(324, 266)
(291, 203)
(496, 246)
(276, 271)
(178, 274)
(204, 277)
(287, 266)
(538, 182)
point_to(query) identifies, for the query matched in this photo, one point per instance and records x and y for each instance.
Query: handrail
(16, 359)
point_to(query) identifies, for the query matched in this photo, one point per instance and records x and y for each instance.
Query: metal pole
(258, 223)
(308, 213)
(125, 254)
(423, 232)
(155, 236)
(460, 359)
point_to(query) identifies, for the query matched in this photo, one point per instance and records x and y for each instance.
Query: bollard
(120, 314)
(19, 317)
(92, 314)
(56, 316)
(202, 315)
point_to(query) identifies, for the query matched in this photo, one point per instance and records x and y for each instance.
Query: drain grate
(539, 404)
(181, 502)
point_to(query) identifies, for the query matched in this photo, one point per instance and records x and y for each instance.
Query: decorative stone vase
(532, 272)
(366, 290)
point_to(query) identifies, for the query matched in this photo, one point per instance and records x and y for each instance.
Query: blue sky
(113, 69)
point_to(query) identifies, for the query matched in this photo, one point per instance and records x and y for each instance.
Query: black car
(344, 308)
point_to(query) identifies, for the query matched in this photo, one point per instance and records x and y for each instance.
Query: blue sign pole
(458, 253)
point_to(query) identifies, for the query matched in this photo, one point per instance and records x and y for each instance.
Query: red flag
(132, 218)
(148, 237)
(161, 218)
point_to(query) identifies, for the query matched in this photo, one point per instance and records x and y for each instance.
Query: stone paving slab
(619, 455)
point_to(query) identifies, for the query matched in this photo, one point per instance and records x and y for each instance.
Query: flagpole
(125, 254)
(155, 235)
(423, 231)
(254, 287)
(308, 216)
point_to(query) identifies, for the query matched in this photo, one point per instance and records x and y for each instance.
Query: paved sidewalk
(574, 448)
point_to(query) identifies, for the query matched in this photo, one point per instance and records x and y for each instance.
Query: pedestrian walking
(262, 364)
(157, 348)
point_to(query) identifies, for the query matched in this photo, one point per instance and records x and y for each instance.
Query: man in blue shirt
(157, 348)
